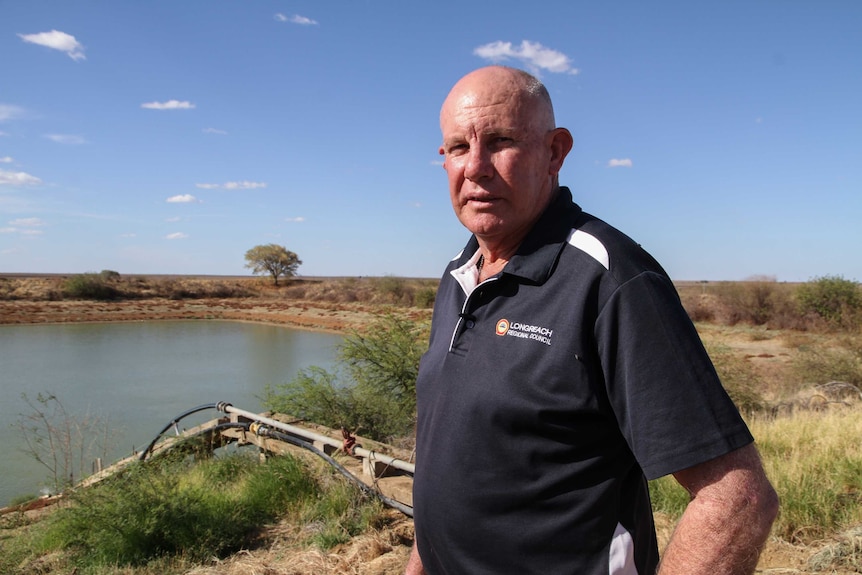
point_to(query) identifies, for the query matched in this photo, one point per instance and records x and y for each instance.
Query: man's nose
(479, 165)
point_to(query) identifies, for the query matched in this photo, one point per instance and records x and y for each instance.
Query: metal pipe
(371, 455)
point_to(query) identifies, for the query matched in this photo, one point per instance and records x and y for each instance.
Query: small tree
(272, 259)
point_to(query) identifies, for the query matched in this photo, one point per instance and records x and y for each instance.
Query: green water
(138, 376)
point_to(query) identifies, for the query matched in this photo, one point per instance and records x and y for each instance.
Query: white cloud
(23, 232)
(10, 112)
(6, 160)
(129, 235)
(18, 179)
(619, 163)
(532, 54)
(27, 222)
(57, 40)
(182, 199)
(215, 131)
(173, 220)
(169, 105)
(298, 219)
(176, 236)
(245, 185)
(66, 139)
(296, 19)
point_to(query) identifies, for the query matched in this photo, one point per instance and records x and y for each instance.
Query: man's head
(503, 153)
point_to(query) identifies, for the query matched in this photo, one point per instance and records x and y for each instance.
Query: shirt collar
(538, 253)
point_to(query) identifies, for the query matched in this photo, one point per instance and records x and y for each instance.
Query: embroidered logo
(502, 327)
(524, 331)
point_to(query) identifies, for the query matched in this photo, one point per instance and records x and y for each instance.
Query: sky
(165, 137)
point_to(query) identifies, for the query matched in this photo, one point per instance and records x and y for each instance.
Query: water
(139, 376)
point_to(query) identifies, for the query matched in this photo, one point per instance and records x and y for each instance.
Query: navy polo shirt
(549, 394)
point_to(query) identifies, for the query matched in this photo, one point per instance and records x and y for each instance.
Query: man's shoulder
(620, 255)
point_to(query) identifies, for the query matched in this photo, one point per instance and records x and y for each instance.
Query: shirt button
(470, 324)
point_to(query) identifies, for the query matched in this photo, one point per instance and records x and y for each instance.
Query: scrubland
(789, 354)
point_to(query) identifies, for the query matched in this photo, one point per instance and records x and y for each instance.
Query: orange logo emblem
(502, 327)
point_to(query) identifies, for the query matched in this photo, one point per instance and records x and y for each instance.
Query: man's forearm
(706, 543)
(724, 528)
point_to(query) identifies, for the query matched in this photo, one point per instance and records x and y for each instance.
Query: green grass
(173, 511)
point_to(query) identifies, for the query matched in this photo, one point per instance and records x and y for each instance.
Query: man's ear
(561, 145)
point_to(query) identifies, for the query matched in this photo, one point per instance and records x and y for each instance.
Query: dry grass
(809, 431)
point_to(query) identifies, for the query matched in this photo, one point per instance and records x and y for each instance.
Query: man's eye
(457, 149)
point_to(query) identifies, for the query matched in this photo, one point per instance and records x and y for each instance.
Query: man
(563, 373)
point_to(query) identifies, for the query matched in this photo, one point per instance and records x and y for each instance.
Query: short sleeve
(664, 390)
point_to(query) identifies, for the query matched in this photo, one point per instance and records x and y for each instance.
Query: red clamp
(349, 441)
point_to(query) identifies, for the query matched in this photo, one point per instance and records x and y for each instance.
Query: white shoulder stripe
(591, 245)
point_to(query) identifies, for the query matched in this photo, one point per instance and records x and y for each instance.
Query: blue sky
(170, 137)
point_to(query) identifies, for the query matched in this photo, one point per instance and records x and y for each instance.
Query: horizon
(169, 138)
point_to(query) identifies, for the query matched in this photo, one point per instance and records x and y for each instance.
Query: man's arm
(414, 564)
(725, 526)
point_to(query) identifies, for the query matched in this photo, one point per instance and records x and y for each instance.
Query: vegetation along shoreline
(790, 355)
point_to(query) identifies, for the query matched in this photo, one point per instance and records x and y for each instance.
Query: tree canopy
(272, 259)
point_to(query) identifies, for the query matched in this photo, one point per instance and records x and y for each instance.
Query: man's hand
(725, 525)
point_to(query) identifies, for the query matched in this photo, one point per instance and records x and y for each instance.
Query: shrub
(425, 297)
(109, 275)
(61, 442)
(391, 288)
(90, 286)
(374, 390)
(818, 365)
(833, 299)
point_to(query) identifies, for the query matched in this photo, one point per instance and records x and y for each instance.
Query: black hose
(173, 422)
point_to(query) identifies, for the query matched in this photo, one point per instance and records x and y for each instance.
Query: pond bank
(322, 316)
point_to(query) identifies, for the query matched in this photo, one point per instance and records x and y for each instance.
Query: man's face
(498, 159)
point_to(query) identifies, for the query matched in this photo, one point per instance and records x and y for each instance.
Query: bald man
(563, 374)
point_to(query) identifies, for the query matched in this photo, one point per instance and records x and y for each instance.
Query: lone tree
(272, 259)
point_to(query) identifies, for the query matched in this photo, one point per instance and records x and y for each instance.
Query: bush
(373, 392)
(425, 297)
(90, 286)
(817, 365)
(109, 275)
(391, 288)
(833, 299)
